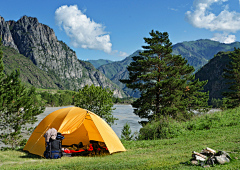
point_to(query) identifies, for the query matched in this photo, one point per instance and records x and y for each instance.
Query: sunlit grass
(172, 153)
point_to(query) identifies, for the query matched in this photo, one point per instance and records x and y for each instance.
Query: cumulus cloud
(82, 31)
(201, 17)
(224, 38)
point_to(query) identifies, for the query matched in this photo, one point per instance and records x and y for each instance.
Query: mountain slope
(30, 74)
(38, 42)
(118, 70)
(198, 53)
(216, 83)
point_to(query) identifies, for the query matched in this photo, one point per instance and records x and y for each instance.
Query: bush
(162, 129)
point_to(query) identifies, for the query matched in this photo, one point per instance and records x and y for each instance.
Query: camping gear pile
(209, 157)
(84, 132)
(94, 148)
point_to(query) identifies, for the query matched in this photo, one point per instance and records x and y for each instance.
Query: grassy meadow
(219, 131)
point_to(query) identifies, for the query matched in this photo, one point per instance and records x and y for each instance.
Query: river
(124, 113)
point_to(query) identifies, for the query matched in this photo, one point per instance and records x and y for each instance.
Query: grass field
(222, 132)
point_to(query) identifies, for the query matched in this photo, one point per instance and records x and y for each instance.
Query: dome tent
(77, 125)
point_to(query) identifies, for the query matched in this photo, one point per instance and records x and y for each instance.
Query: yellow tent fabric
(77, 125)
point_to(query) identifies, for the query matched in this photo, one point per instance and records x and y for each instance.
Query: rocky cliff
(38, 42)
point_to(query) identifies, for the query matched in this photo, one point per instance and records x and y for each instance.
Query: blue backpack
(54, 148)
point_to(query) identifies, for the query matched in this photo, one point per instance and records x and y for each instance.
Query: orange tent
(77, 125)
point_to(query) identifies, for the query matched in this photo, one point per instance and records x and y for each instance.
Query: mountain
(38, 43)
(98, 63)
(198, 53)
(30, 74)
(118, 70)
(213, 72)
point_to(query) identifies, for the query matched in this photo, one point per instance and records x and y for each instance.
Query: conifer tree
(166, 82)
(232, 74)
(126, 132)
(19, 106)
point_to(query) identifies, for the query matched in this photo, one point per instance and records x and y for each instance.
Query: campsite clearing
(148, 154)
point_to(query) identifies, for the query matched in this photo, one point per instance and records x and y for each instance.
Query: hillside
(197, 53)
(38, 42)
(200, 51)
(30, 74)
(216, 83)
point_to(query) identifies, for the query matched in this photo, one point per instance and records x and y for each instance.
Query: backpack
(54, 148)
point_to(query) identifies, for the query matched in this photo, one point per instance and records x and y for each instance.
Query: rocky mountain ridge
(38, 42)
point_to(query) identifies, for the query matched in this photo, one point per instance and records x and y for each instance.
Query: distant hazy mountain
(198, 53)
(98, 63)
(118, 70)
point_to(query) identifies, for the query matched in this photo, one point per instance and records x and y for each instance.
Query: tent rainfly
(77, 125)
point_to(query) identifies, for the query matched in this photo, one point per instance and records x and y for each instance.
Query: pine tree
(166, 82)
(19, 106)
(126, 132)
(232, 74)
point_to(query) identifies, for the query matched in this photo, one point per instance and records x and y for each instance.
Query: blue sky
(112, 30)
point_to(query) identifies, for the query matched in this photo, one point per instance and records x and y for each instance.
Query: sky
(113, 30)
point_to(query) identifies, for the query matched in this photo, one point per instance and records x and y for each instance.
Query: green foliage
(126, 132)
(169, 128)
(58, 98)
(161, 129)
(97, 100)
(232, 73)
(19, 106)
(216, 103)
(166, 82)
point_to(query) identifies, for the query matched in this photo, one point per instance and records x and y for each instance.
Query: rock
(38, 42)
(6, 34)
(206, 166)
(222, 159)
(194, 162)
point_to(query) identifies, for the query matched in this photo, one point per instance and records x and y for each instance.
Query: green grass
(172, 153)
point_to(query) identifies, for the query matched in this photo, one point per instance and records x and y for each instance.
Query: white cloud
(123, 54)
(224, 38)
(120, 53)
(173, 9)
(82, 31)
(201, 17)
